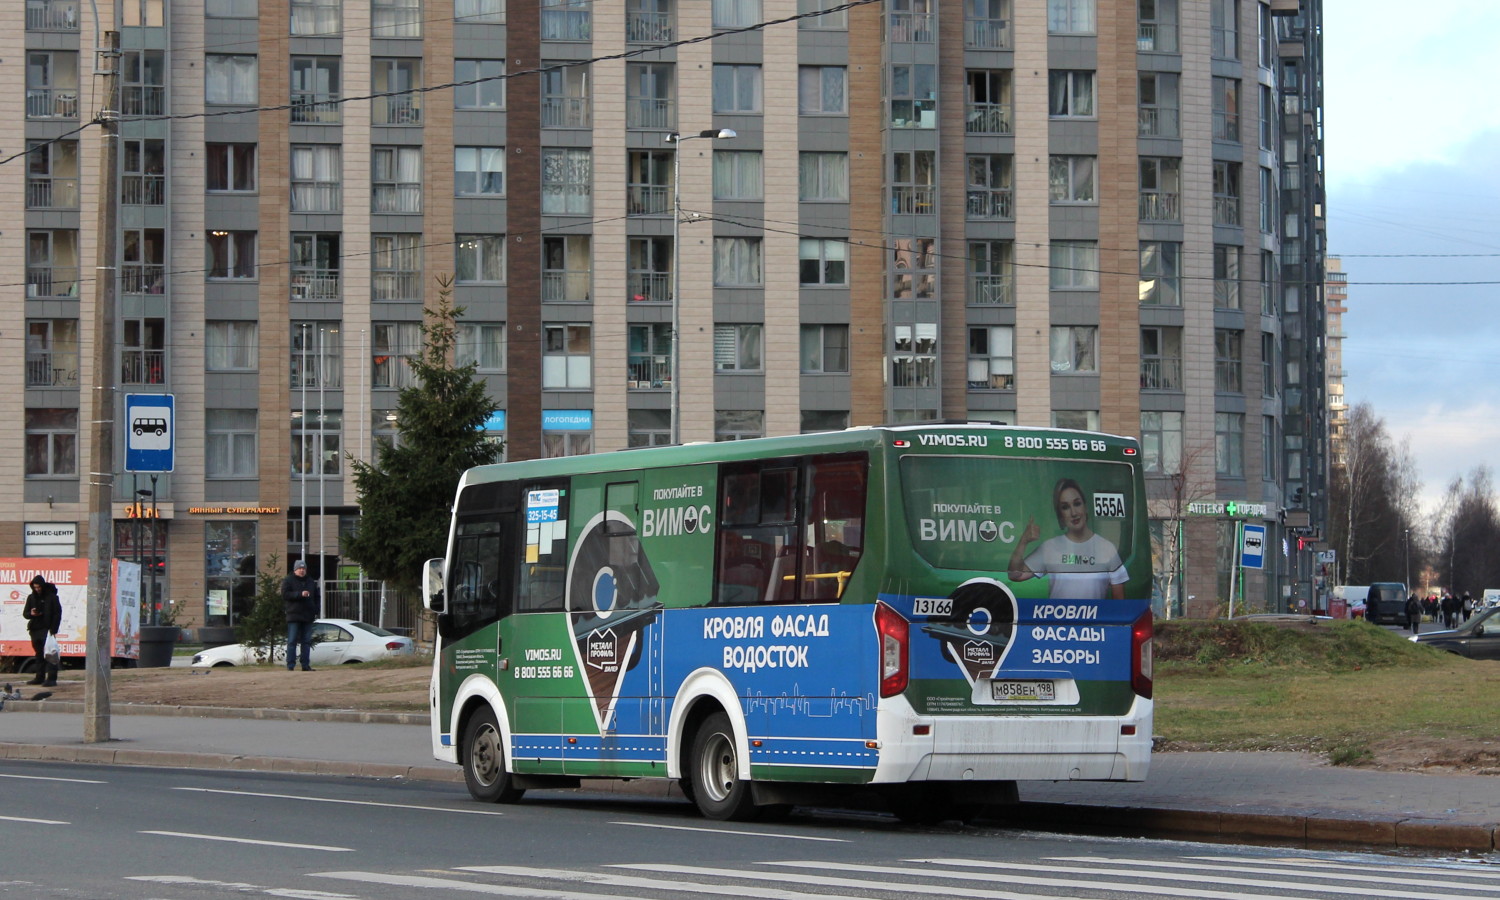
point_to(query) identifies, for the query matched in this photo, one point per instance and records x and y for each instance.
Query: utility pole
(96, 710)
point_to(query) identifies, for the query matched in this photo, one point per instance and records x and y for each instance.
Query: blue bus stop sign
(150, 425)
(1253, 547)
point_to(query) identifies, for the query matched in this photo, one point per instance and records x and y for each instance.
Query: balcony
(1226, 127)
(647, 200)
(144, 99)
(143, 190)
(403, 110)
(321, 285)
(1161, 206)
(1226, 210)
(52, 281)
(316, 109)
(649, 287)
(1161, 374)
(648, 371)
(987, 118)
(910, 200)
(52, 103)
(52, 193)
(912, 28)
(563, 286)
(567, 112)
(49, 368)
(991, 290)
(1228, 376)
(567, 25)
(52, 15)
(143, 367)
(143, 278)
(649, 27)
(1157, 121)
(991, 203)
(1152, 37)
(650, 114)
(987, 34)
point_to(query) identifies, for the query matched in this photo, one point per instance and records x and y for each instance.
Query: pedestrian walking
(43, 613)
(1467, 608)
(299, 594)
(1413, 614)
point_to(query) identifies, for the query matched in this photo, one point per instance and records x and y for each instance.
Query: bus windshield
(968, 512)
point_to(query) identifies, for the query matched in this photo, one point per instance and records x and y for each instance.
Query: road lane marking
(238, 840)
(733, 833)
(609, 879)
(473, 887)
(805, 878)
(466, 812)
(33, 821)
(53, 778)
(241, 887)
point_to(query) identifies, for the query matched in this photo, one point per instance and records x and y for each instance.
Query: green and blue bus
(924, 615)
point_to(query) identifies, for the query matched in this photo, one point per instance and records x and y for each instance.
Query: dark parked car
(1478, 638)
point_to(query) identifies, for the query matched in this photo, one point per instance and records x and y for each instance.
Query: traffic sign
(1253, 547)
(150, 428)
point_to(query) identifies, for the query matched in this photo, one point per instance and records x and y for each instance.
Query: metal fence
(370, 601)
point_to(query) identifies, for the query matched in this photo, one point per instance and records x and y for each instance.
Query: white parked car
(335, 641)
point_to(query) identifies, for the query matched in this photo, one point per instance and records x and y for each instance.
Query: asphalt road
(120, 832)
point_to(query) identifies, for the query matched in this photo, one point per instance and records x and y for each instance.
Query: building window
(315, 16)
(1226, 99)
(567, 357)
(1161, 273)
(913, 94)
(992, 273)
(738, 175)
(565, 96)
(483, 344)
(830, 21)
(231, 168)
(315, 90)
(987, 106)
(52, 263)
(1161, 189)
(911, 21)
(825, 349)
(824, 261)
(1268, 215)
(914, 355)
(479, 259)
(143, 351)
(567, 20)
(649, 357)
(991, 190)
(557, 444)
(1229, 444)
(476, 11)
(1076, 419)
(992, 358)
(987, 24)
(913, 182)
(229, 570)
(649, 21)
(567, 269)
(1070, 16)
(230, 79)
(396, 266)
(1267, 283)
(1161, 442)
(396, 179)
(230, 448)
(315, 442)
(650, 92)
(1267, 118)
(648, 428)
(1161, 358)
(820, 420)
(51, 352)
(396, 18)
(735, 13)
(1157, 29)
(823, 176)
(401, 78)
(317, 357)
(393, 346)
(1267, 364)
(648, 183)
(736, 89)
(1227, 275)
(567, 181)
(913, 268)
(1073, 265)
(143, 84)
(1074, 349)
(649, 269)
(231, 255)
(143, 255)
(1071, 179)
(737, 348)
(739, 424)
(1070, 94)
(481, 84)
(52, 84)
(737, 262)
(51, 442)
(1229, 360)
(477, 171)
(143, 178)
(317, 179)
(1224, 28)
(821, 91)
(1159, 104)
(1268, 448)
(231, 346)
(1226, 187)
(315, 266)
(52, 175)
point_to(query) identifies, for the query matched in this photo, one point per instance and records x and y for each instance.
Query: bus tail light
(1140, 655)
(895, 636)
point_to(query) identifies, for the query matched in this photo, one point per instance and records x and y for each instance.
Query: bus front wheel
(715, 775)
(484, 760)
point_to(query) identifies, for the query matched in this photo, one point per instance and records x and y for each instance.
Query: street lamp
(1407, 555)
(675, 138)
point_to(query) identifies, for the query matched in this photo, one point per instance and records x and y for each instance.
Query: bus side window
(543, 551)
(834, 530)
(756, 541)
(479, 592)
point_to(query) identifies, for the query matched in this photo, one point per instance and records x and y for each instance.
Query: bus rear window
(969, 512)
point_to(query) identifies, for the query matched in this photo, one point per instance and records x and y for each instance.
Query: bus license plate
(1022, 691)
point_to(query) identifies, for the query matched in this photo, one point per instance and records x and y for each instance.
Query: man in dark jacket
(43, 613)
(300, 594)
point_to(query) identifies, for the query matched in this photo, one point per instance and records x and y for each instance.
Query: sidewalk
(1288, 799)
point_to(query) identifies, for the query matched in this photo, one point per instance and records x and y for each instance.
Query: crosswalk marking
(805, 878)
(473, 887)
(615, 880)
(1286, 868)
(1329, 864)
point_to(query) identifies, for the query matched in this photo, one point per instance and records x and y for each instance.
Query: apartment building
(665, 219)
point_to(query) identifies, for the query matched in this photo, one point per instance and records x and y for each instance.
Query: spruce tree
(406, 492)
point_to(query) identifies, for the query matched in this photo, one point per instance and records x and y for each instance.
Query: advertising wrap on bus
(934, 612)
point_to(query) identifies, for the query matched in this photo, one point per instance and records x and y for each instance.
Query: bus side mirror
(432, 585)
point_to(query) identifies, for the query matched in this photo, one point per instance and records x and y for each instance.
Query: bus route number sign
(541, 506)
(1109, 506)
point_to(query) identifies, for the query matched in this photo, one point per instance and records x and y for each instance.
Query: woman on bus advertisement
(1079, 564)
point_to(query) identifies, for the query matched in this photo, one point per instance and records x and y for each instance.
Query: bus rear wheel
(484, 760)
(714, 775)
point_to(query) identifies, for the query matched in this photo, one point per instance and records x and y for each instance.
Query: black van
(1386, 603)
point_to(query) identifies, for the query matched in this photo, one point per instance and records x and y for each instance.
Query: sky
(1412, 162)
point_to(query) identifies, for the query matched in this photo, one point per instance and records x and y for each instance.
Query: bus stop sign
(150, 425)
(1253, 547)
